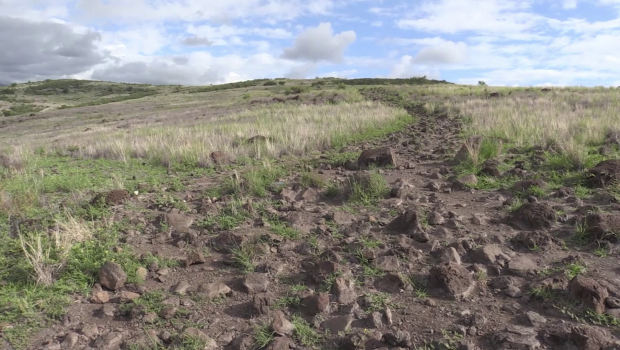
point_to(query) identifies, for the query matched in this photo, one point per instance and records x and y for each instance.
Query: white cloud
(407, 68)
(320, 44)
(497, 17)
(442, 53)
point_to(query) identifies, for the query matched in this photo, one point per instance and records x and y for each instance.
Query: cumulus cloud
(320, 44)
(406, 67)
(301, 72)
(444, 53)
(196, 41)
(45, 50)
(197, 68)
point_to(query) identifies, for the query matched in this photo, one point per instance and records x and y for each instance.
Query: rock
(324, 269)
(388, 263)
(228, 240)
(450, 255)
(358, 340)
(90, 331)
(454, 279)
(168, 312)
(390, 283)
(178, 222)
(109, 341)
(407, 223)
(533, 319)
(604, 173)
(473, 142)
(588, 292)
(142, 273)
(344, 290)
(262, 303)
(513, 292)
(612, 303)
(256, 283)
(70, 340)
(150, 318)
(491, 170)
(126, 296)
(434, 218)
(398, 338)
(515, 337)
(112, 276)
(280, 325)
(502, 282)
(280, 343)
(464, 182)
(244, 341)
(98, 295)
(489, 254)
(315, 304)
(522, 266)
(564, 336)
(338, 324)
(535, 239)
(194, 258)
(181, 288)
(375, 320)
(378, 156)
(195, 333)
(534, 216)
(213, 290)
(603, 226)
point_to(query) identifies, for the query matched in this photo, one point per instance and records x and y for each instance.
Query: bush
(270, 83)
(281, 82)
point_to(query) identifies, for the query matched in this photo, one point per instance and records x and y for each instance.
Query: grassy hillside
(148, 176)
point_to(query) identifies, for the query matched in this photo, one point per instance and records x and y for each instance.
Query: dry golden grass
(291, 129)
(48, 254)
(568, 117)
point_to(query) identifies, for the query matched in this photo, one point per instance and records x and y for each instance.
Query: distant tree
(482, 83)
(14, 85)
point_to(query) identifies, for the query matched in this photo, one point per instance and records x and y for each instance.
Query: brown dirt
(464, 280)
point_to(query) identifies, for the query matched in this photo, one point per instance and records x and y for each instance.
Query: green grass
(23, 108)
(378, 302)
(368, 191)
(308, 179)
(30, 306)
(303, 333)
(283, 230)
(262, 336)
(244, 256)
(229, 217)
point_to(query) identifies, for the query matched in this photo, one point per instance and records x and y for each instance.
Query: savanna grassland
(308, 214)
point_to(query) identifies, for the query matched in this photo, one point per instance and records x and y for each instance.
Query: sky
(201, 42)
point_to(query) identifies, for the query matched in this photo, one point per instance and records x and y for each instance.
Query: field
(314, 214)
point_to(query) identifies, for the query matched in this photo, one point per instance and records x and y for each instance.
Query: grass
(378, 302)
(367, 191)
(572, 118)
(293, 129)
(262, 336)
(244, 256)
(303, 333)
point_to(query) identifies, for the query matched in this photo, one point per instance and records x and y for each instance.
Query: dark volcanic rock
(534, 215)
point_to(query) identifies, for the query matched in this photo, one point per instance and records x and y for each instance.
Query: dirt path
(436, 265)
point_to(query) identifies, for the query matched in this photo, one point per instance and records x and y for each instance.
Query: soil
(451, 268)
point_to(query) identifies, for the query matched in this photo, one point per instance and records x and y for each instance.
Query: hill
(314, 214)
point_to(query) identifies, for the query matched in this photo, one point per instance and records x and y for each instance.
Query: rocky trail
(435, 264)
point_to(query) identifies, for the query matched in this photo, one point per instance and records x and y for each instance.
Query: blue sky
(195, 42)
